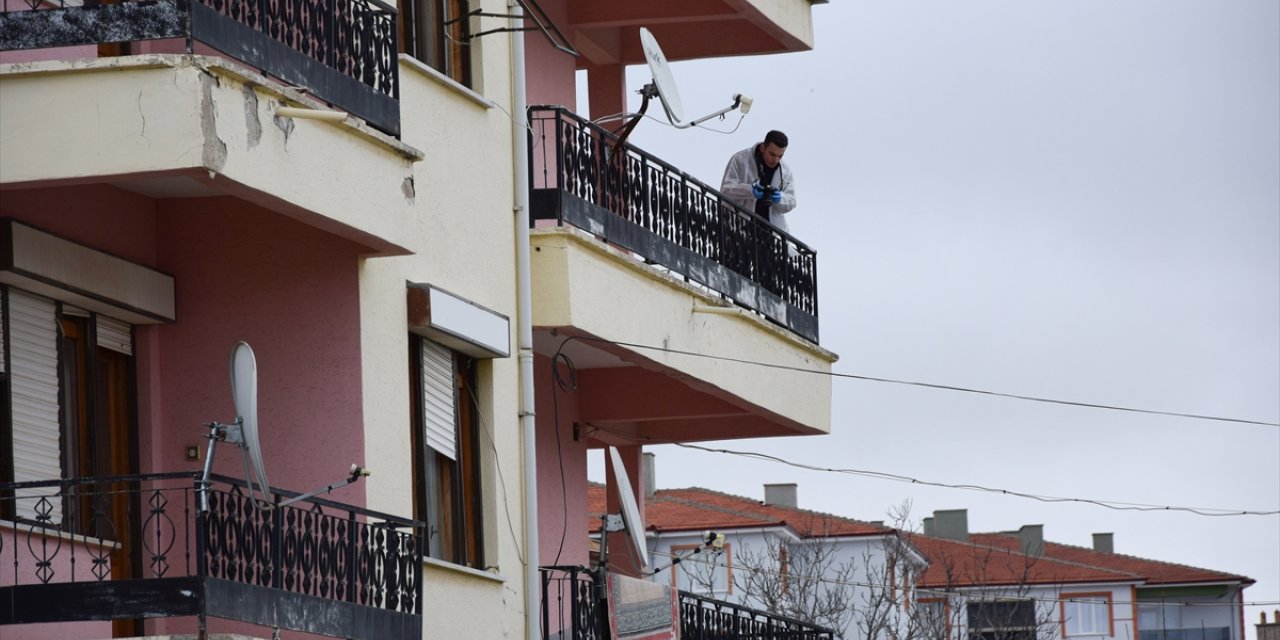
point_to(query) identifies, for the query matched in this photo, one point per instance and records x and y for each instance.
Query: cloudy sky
(1073, 199)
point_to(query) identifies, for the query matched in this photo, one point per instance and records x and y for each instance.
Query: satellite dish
(243, 433)
(664, 85)
(663, 81)
(244, 393)
(634, 525)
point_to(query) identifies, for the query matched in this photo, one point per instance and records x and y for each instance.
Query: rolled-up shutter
(438, 400)
(115, 335)
(33, 384)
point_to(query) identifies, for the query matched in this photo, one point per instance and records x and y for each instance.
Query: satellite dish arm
(357, 472)
(739, 101)
(622, 133)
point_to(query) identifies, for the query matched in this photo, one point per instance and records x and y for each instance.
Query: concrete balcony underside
(605, 30)
(182, 126)
(659, 359)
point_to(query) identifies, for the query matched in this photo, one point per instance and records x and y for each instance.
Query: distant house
(945, 583)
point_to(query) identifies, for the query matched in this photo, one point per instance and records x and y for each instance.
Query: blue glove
(777, 197)
(757, 190)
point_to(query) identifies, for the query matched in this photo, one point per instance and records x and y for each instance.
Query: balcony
(341, 51)
(633, 200)
(129, 547)
(1194, 633)
(571, 610)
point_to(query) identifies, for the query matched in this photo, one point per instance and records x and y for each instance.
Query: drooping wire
(559, 383)
(486, 428)
(928, 385)
(1110, 504)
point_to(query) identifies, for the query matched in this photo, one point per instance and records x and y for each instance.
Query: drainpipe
(524, 320)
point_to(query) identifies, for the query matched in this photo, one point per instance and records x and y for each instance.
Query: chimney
(952, 524)
(1031, 539)
(1103, 543)
(650, 481)
(927, 523)
(780, 495)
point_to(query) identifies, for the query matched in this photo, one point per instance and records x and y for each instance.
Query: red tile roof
(696, 509)
(953, 563)
(986, 559)
(1153, 572)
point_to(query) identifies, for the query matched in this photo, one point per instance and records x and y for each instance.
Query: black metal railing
(703, 618)
(627, 197)
(572, 609)
(111, 534)
(341, 51)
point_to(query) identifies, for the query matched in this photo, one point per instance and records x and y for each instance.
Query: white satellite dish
(244, 394)
(663, 81)
(633, 524)
(243, 433)
(664, 85)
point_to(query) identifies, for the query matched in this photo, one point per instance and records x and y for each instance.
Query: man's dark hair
(778, 138)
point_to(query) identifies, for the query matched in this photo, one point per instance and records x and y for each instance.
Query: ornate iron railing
(113, 534)
(703, 618)
(342, 51)
(582, 177)
(572, 610)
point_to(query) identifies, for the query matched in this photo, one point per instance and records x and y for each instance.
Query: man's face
(772, 153)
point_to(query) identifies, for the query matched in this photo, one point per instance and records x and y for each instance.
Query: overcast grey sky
(1075, 199)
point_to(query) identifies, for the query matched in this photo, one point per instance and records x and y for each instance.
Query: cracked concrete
(253, 125)
(215, 150)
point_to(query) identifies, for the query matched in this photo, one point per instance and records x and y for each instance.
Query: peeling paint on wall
(407, 188)
(251, 122)
(215, 150)
(285, 125)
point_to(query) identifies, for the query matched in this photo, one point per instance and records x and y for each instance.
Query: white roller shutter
(438, 400)
(33, 381)
(115, 335)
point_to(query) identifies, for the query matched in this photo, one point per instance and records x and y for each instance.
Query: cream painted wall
(575, 273)
(461, 236)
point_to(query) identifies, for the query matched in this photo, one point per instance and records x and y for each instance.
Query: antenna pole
(215, 434)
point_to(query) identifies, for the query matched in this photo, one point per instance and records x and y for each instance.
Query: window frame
(436, 33)
(1089, 598)
(1011, 630)
(726, 553)
(438, 480)
(945, 612)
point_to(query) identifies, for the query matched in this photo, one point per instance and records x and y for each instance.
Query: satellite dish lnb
(632, 523)
(664, 85)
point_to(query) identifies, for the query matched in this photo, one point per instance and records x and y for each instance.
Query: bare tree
(807, 580)
(874, 595)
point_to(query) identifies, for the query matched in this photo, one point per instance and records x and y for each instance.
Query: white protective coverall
(742, 171)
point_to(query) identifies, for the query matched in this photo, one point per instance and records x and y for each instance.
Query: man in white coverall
(757, 179)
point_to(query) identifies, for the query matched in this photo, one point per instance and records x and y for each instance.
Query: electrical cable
(953, 592)
(928, 385)
(497, 464)
(881, 475)
(567, 386)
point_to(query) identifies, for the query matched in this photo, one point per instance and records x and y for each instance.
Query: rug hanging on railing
(642, 610)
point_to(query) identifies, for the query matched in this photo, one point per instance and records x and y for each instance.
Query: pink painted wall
(562, 501)
(241, 273)
(549, 72)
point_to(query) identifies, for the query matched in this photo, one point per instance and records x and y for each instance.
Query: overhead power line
(1110, 504)
(930, 385)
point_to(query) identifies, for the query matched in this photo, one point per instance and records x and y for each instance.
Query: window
(68, 403)
(704, 573)
(1002, 620)
(1158, 616)
(1086, 614)
(446, 452)
(930, 618)
(435, 32)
